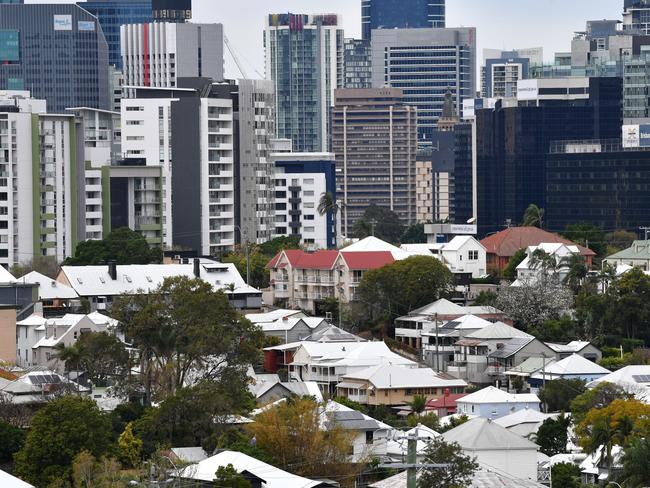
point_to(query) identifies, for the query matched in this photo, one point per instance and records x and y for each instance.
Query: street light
(241, 237)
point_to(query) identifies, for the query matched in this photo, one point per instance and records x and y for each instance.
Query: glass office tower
(401, 14)
(57, 52)
(111, 15)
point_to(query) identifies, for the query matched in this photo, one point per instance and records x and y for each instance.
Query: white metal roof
(9, 481)
(290, 323)
(482, 434)
(34, 320)
(352, 354)
(373, 244)
(96, 281)
(273, 315)
(48, 289)
(524, 416)
(387, 375)
(273, 477)
(491, 394)
(483, 478)
(459, 241)
(634, 379)
(6, 276)
(469, 322)
(498, 330)
(573, 346)
(572, 365)
(441, 307)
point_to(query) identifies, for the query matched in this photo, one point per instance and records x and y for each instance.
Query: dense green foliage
(123, 245)
(566, 475)
(59, 431)
(46, 265)
(510, 272)
(558, 394)
(552, 435)
(460, 467)
(381, 222)
(587, 235)
(12, 439)
(229, 477)
(533, 216)
(414, 234)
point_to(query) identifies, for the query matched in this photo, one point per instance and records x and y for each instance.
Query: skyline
(525, 23)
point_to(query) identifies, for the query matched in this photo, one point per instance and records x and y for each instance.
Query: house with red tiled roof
(503, 245)
(300, 278)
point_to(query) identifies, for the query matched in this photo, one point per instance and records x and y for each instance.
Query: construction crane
(235, 58)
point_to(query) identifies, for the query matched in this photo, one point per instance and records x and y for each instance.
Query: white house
(635, 256)
(584, 348)
(51, 294)
(633, 379)
(496, 448)
(271, 476)
(101, 284)
(529, 271)
(327, 363)
(525, 422)
(492, 403)
(572, 367)
(463, 254)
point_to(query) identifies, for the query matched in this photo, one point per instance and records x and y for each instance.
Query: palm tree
(328, 204)
(576, 271)
(418, 404)
(533, 216)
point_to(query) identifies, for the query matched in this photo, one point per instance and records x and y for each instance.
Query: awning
(354, 386)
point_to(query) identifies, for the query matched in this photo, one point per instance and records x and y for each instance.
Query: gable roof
(386, 375)
(6, 276)
(512, 347)
(273, 315)
(445, 401)
(507, 242)
(458, 242)
(467, 322)
(573, 346)
(367, 259)
(529, 366)
(272, 476)
(482, 434)
(523, 416)
(9, 481)
(491, 394)
(629, 377)
(48, 289)
(300, 259)
(440, 307)
(498, 330)
(332, 333)
(573, 365)
(638, 250)
(372, 243)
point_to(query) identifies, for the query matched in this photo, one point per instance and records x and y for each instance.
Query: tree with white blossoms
(535, 301)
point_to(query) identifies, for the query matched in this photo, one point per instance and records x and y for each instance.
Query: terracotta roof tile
(367, 259)
(507, 242)
(307, 260)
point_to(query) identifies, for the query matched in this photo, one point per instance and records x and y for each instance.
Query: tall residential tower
(401, 14)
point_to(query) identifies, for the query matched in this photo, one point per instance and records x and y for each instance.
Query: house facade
(493, 403)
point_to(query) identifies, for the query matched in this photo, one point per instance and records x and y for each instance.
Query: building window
(473, 256)
(369, 437)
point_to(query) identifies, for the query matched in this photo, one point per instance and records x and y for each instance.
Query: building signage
(527, 90)
(86, 26)
(465, 229)
(636, 135)
(63, 22)
(455, 229)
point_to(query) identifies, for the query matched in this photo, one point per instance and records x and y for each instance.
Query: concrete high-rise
(58, 52)
(357, 64)
(636, 16)
(401, 14)
(374, 137)
(425, 64)
(111, 14)
(255, 117)
(158, 54)
(304, 58)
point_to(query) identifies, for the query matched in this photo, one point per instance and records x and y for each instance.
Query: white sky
(502, 24)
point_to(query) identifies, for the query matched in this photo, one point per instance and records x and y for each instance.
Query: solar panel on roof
(641, 378)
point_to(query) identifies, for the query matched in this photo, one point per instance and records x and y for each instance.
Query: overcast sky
(500, 23)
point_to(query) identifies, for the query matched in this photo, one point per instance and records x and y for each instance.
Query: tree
(229, 477)
(485, 298)
(563, 329)
(11, 440)
(46, 265)
(88, 472)
(636, 468)
(398, 288)
(185, 332)
(459, 471)
(290, 433)
(430, 420)
(274, 246)
(328, 205)
(123, 245)
(558, 394)
(418, 404)
(102, 356)
(381, 222)
(595, 398)
(587, 235)
(259, 273)
(533, 216)
(130, 447)
(552, 435)
(510, 271)
(577, 271)
(630, 305)
(565, 475)
(534, 302)
(414, 234)
(60, 430)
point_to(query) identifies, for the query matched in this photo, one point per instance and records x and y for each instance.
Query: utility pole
(412, 459)
(437, 351)
(248, 266)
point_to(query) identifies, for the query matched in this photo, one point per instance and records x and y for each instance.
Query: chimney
(112, 270)
(197, 269)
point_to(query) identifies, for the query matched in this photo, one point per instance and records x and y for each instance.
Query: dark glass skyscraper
(111, 15)
(401, 14)
(57, 52)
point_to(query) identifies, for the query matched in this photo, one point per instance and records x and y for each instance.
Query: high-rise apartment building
(58, 52)
(401, 14)
(300, 181)
(111, 14)
(304, 58)
(158, 54)
(502, 70)
(636, 16)
(172, 10)
(357, 68)
(188, 132)
(374, 137)
(255, 179)
(425, 64)
(38, 191)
